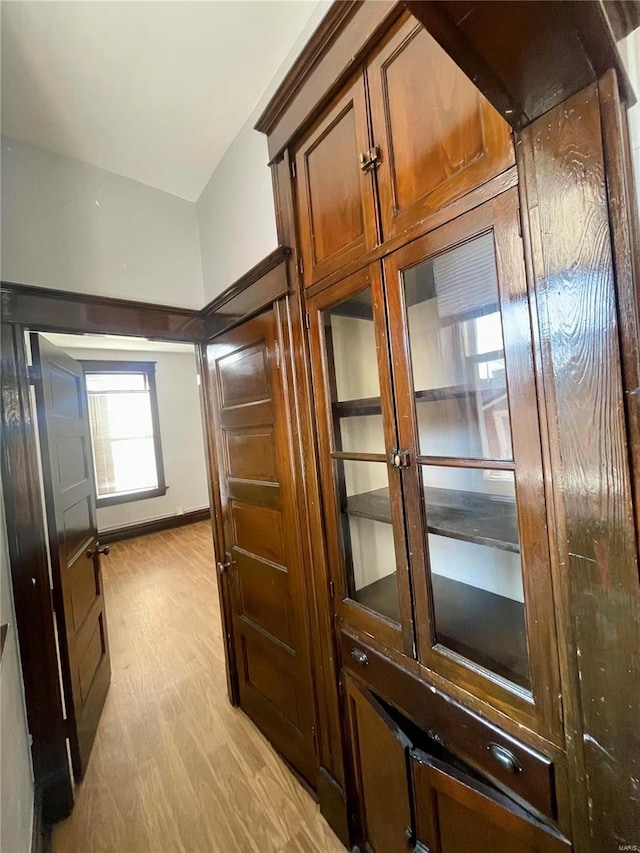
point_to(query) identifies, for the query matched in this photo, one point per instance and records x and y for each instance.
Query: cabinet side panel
(575, 287)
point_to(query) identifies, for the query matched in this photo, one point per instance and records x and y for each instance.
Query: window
(125, 434)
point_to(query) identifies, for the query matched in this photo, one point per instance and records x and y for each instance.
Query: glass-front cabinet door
(357, 434)
(467, 415)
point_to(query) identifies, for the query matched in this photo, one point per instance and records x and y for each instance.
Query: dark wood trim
(333, 805)
(144, 528)
(149, 369)
(4, 632)
(210, 426)
(331, 56)
(330, 733)
(132, 497)
(40, 831)
(49, 310)
(258, 288)
(323, 36)
(625, 237)
(26, 537)
(526, 57)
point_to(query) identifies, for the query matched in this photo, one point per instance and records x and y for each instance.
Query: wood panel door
(457, 812)
(336, 197)
(262, 556)
(69, 487)
(380, 765)
(439, 137)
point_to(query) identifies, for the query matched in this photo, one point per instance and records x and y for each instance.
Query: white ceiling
(152, 90)
(115, 343)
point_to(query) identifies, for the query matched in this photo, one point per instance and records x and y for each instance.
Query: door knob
(99, 549)
(222, 567)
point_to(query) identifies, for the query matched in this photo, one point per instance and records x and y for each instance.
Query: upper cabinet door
(438, 136)
(336, 208)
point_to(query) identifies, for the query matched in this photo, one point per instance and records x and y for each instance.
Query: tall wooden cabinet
(446, 406)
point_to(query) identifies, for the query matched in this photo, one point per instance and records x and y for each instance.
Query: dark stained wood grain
(486, 628)
(70, 494)
(263, 284)
(380, 763)
(462, 732)
(468, 516)
(526, 57)
(49, 310)
(437, 141)
(211, 428)
(598, 595)
(30, 581)
(336, 205)
(468, 815)
(295, 360)
(260, 541)
(332, 54)
(625, 236)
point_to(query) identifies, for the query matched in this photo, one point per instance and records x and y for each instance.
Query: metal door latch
(370, 159)
(400, 458)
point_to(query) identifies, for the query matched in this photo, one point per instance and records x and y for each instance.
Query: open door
(69, 487)
(262, 563)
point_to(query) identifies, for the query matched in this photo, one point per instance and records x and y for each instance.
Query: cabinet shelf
(469, 516)
(373, 406)
(479, 625)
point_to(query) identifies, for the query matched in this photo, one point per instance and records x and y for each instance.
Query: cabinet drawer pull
(359, 657)
(505, 758)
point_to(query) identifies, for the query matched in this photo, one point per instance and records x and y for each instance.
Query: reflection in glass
(368, 542)
(476, 573)
(457, 354)
(353, 375)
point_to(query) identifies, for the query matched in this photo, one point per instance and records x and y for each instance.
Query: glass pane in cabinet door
(457, 354)
(476, 572)
(367, 535)
(354, 385)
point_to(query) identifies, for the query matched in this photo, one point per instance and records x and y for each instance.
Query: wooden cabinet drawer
(513, 766)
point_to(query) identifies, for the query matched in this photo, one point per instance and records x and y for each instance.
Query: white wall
(236, 214)
(70, 226)
(630, 48)
(180, 432)
(16, 780)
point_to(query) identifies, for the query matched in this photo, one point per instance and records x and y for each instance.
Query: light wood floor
(174, 766)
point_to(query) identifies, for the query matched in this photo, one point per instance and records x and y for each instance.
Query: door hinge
(300, 265)
(276, 348)
(400, 458)
(370, 159)
(35, 374)
(307, 320)
(519, 223)
(314, 735)
(561, 709)
(332, 590)
(292, 166)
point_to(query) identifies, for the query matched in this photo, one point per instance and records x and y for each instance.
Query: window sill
(129, 497)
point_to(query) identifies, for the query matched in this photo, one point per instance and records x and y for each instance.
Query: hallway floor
(175, 767)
